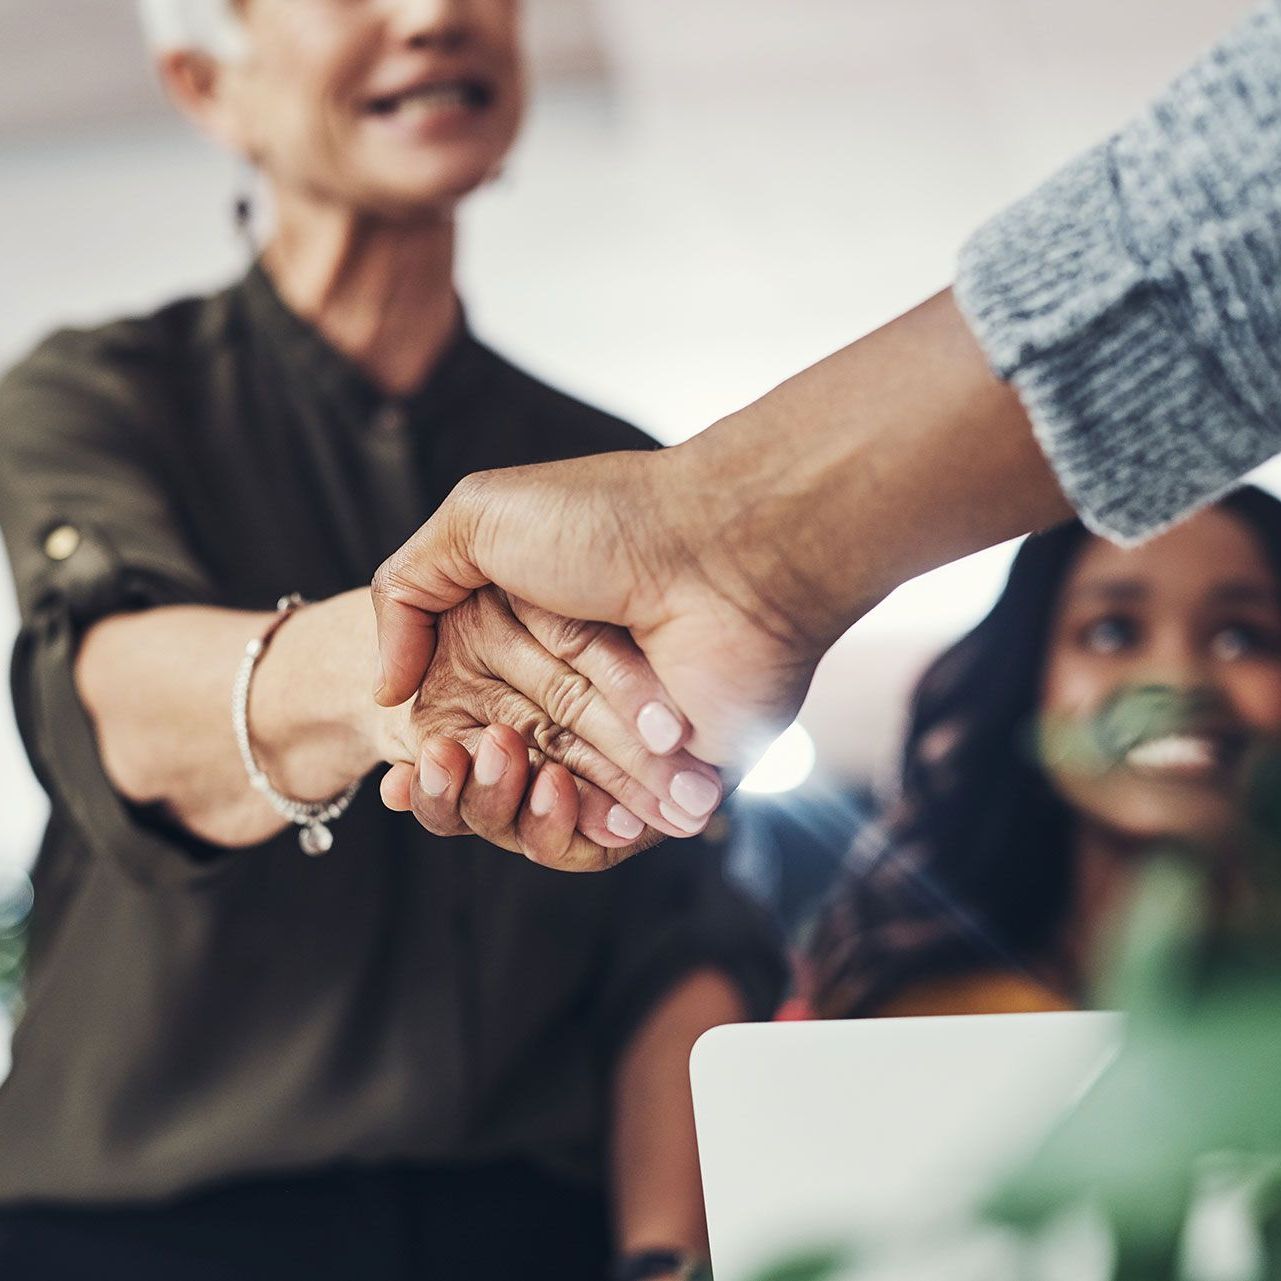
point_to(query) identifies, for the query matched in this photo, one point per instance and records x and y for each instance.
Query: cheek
(296, 75)
(1074, 690)
(1255, 693)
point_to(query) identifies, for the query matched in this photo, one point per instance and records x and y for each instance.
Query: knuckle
(567, 696)
(553, 740)
(570, 638)
(391, 581)
(472, 488)
(617, 672)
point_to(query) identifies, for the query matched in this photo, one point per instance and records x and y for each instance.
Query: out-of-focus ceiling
(68, 64)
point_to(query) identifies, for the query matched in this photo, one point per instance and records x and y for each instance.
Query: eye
(1108, 635)
(1241, 640)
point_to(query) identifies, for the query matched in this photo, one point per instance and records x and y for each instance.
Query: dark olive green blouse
(194, 1014)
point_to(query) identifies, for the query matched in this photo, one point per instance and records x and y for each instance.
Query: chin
(1193, 817)
(434, 191)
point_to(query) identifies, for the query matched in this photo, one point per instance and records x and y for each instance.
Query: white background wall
(711, 194)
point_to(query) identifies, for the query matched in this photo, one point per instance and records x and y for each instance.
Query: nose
(430, 24)
(1175, 660)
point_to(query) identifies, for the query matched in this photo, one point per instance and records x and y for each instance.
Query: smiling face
(384, 106)
(1163, 669)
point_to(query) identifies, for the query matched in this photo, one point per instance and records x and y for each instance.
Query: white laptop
(814, 1135)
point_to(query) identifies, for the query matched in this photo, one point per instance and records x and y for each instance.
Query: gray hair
(207, 26)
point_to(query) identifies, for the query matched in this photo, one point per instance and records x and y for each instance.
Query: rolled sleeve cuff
(1131, 302)
(60, 737)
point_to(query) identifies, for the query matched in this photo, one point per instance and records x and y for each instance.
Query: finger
(406, 642)
(491, 798)
(554, 742)
(573, 724)
(546, 838)
(606, 822)
(547, 827)
(395, 787)
(612, 661)
(425, 577)
(436, 785)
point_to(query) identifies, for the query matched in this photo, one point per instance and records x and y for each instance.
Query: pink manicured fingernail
(695, 793)
(659, 729)
(431, 778)
(622, 822)
(542, 800)
(682, 822)
(491, 762)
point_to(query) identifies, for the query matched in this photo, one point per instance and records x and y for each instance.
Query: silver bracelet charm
(312, 817)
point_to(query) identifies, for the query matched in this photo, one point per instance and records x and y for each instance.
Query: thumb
(422, 579)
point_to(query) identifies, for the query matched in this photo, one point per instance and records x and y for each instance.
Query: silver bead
(315, 839)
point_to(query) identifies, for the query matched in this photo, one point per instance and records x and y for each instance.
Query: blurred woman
(1112, 701)
(410, 1056)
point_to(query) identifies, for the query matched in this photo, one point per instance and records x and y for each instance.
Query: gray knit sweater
(1134, 300)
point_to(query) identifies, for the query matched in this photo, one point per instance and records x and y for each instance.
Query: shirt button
(390, 420)
(61, 543)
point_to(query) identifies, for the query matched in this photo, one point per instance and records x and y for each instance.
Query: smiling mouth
(440, 96)
(1183, 755)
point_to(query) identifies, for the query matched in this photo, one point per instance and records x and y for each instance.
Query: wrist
(768, 514)
(311, 711)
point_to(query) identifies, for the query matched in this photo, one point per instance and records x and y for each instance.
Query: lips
(461, 94)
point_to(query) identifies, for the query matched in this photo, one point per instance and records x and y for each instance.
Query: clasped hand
(524, 733)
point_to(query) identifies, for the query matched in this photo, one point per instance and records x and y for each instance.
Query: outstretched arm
(737, 558)
(157, 685)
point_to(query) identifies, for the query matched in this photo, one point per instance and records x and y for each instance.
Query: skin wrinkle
(465, 677)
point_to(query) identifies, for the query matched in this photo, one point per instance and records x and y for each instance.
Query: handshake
(717, 573)
(578, 743)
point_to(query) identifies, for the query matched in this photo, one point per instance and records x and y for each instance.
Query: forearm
(897, 454)
(158, 688)
(658, 1193)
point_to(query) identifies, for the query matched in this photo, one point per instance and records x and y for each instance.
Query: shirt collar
(320, 370)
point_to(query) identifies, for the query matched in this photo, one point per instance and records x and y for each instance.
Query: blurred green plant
(816, 1265)
(1184, 1128)
(15, 911)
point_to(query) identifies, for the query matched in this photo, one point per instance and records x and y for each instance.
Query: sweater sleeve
(1134, 300)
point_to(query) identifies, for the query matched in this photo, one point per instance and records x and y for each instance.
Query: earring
(243, 211)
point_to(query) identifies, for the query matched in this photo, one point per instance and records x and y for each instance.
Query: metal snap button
(61, 543)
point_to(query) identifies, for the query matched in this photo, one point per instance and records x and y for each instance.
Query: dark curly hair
(970, 868)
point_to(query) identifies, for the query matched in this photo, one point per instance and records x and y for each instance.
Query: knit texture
(1134, 300)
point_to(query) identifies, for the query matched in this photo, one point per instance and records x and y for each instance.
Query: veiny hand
(613, 538)
(541, 682)
(738, 558)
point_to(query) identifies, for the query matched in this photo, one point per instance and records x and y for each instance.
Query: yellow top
(991, 992)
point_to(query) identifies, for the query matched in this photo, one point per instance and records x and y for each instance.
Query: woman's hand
(548, 687)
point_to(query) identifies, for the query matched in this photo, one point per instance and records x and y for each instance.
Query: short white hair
(206, 26)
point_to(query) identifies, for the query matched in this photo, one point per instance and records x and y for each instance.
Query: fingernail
(431, 778)
(542, 800)
(695, 793)
(491, 762)
(682, 822)
(659, 729)
(622, 822)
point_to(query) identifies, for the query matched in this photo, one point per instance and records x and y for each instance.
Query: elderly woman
(411, 1056)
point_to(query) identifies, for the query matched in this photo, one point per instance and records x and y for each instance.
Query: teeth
(436, 96)
(1174, 751)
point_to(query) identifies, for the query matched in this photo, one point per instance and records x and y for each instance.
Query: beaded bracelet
(312, 817)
